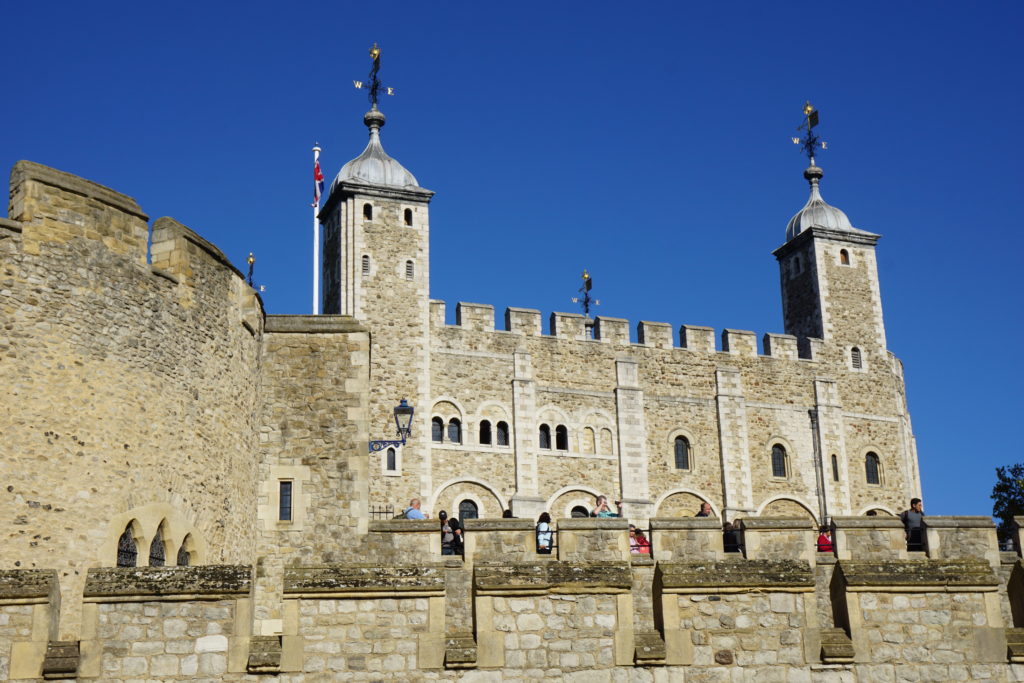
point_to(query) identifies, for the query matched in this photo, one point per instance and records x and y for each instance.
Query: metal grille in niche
(382, 511)
(468, 510)
(127, 552)
(156, 549)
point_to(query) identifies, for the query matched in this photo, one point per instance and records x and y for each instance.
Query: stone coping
(776, 523)
(670, 523)
(959, 522)
(131, 581)
(7, 223)
(404, 526)
(589, 523)
(26, 583)
(867, 523)
(752, 574)
(314, 324)
(516, 309)
(921, 574)
(30, 170)
(362, 578)
(566, 577)
(499, 524)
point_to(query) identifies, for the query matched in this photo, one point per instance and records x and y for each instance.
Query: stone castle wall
(131, 387)
(731, 405)
(779, 611)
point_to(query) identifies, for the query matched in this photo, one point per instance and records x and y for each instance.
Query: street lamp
(403, 423)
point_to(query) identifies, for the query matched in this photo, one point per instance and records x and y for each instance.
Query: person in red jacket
(825, 540)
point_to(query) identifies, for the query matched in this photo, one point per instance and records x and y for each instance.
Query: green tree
(1008, 494)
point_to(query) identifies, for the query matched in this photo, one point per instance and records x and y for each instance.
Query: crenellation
(523, 321)
(568, 326)
(478, 317)
(654, 335)
(782, 346)
(697, 338)
(612, 330)
(739, 342)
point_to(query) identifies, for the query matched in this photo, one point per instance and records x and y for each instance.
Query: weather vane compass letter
(585, 301)
(810, 141)
(374, 85)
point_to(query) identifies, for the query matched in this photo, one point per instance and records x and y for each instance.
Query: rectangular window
(285, 505)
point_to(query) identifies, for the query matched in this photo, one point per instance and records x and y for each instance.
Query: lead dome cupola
(817, 212)
(374, 166)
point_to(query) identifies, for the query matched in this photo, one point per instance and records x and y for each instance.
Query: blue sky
(650, 146)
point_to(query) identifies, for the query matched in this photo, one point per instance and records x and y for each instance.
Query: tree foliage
(1008, 494)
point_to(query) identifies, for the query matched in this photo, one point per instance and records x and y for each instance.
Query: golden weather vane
(810, 141)
(585, 301)
(374, 84)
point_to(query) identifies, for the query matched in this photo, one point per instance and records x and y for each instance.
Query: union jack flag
(318, 182)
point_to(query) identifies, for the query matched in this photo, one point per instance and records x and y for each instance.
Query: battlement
(774, 604)
(574, 327)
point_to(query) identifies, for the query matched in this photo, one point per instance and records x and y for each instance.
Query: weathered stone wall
(575, 384)
(129, 386)
(498, 613)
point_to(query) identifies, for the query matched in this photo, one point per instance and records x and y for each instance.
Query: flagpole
(316, 240)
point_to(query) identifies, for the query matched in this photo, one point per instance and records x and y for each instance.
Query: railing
(382, 511)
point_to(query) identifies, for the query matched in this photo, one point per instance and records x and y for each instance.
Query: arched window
(835, 468)
(127, 552)
(778, 461)
(606, 442)
(682, 453)
(366, 264)
(156, 549)
(588, 440)
(410, 270)
(579, 511)
(855, 359)
(437, 430)
(545, 437)
(408, 217)
(871, 470)
(502, 433)
(561, 438)
(367, 212)
(454, 431)
(184, 558)
(468, 510)
(391, 464)
(485, 432)
(844, 257)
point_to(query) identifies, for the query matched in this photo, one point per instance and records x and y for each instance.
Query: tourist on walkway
(913, 519)
(544, 534)
(451, 535)
(705, 510)
(825, 544)
(602, 509)
(413, 511)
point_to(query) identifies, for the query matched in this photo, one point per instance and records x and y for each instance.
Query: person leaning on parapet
(413, 511)
(451, 535)
(912, 519)
(602, 509)
(544, 534)
(705, 510)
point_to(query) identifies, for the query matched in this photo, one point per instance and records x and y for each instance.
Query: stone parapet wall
(501, 613)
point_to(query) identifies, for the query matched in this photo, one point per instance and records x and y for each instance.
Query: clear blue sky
(650, 146)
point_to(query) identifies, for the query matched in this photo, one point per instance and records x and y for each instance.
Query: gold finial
(374, 52)
(808, 108)
(251, 260)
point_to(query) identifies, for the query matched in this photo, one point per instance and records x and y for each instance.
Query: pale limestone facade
(622, 404)
(152, 401)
